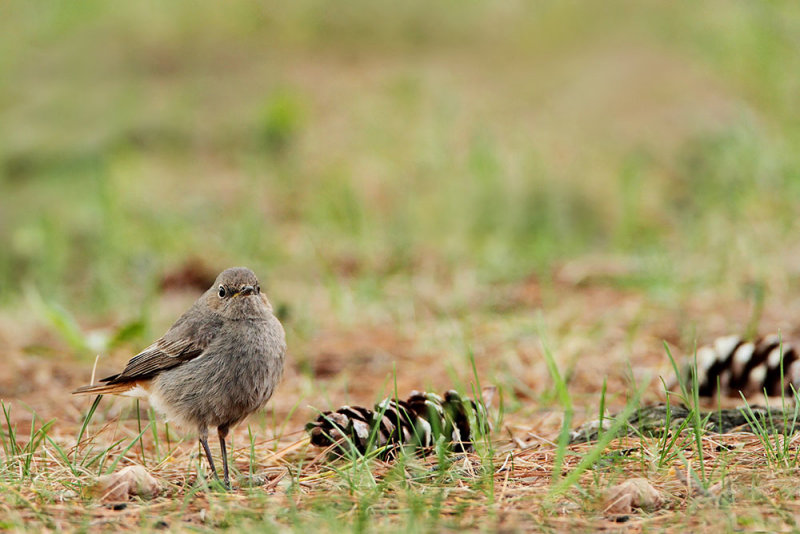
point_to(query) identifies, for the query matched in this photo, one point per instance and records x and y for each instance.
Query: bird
(217, 364)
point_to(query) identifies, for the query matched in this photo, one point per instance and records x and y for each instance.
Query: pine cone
(421, 420)
(747, 366)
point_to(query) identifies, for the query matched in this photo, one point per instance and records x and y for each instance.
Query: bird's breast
(254, 361)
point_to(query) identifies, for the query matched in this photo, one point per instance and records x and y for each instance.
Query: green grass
(131, 188)
(428, 191)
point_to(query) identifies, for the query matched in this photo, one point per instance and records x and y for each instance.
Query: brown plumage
(111, 389)
(217, 364)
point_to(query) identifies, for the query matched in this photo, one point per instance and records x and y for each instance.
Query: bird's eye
(221, 291)
(258, 289)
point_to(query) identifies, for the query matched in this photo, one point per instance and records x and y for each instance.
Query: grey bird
(218, 363)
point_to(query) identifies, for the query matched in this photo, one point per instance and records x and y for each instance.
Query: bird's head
(236, 294)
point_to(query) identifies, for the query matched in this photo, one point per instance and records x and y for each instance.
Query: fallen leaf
(634, 493)
(128, 482)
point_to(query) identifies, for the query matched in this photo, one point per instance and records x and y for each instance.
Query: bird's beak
(247, 290)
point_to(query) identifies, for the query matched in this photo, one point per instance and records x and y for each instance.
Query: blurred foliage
(317, 141)
(280, 123)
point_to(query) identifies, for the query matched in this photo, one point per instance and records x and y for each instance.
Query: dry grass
(418, 185)
(509, 485)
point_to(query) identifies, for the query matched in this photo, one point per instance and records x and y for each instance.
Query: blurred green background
(351, 144)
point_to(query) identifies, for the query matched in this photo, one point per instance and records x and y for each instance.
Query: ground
(508, 483)
(434, 197)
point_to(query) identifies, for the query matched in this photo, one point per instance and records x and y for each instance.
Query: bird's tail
(105, 389)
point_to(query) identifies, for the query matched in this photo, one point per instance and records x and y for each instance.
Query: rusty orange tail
(106, 389)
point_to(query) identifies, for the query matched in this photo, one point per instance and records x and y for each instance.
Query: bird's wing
(184, 341)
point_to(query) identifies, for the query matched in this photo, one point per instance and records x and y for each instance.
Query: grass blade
(86, 421)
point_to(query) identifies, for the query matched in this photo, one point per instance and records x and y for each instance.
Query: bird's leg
(204, 443)
(223, 433)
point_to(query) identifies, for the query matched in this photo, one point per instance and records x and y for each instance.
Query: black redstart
(216, 365)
